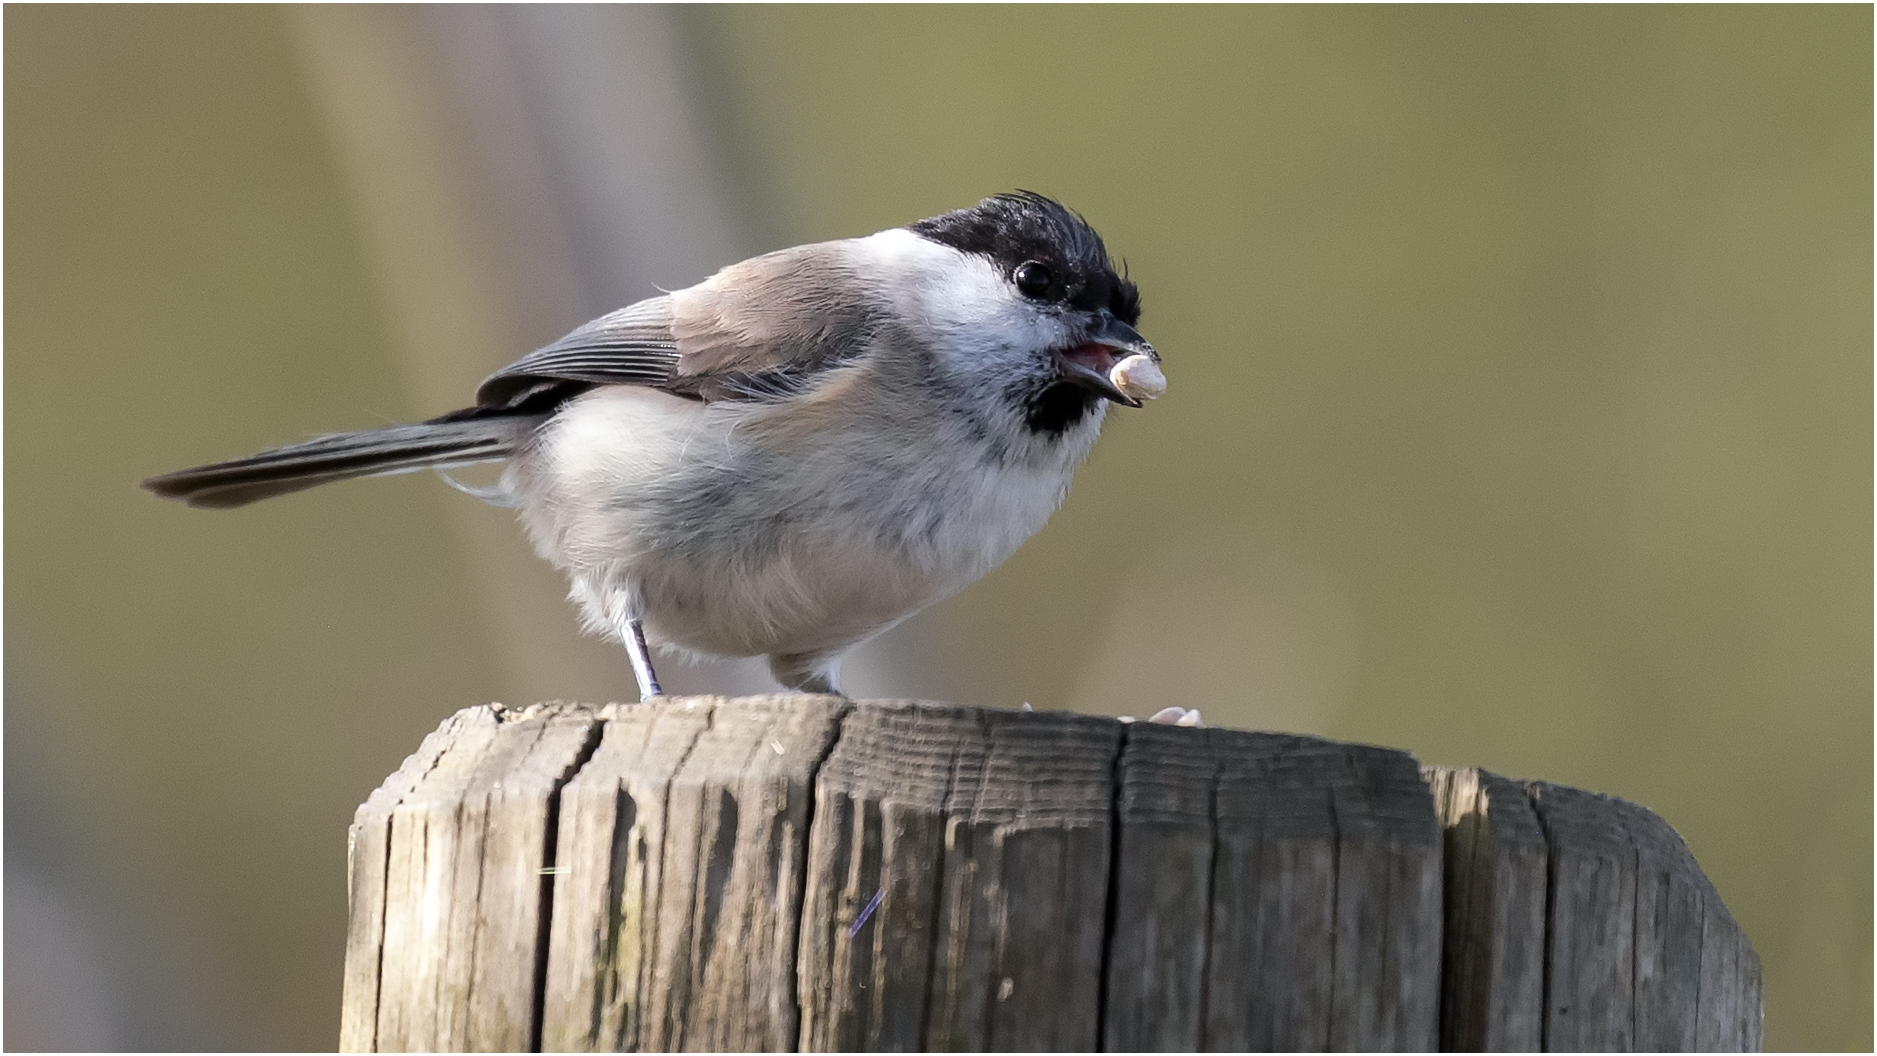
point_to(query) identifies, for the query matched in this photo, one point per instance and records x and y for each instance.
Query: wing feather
(764, 329)
(632, 346)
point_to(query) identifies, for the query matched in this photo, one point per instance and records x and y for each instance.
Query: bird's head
(1031, 304)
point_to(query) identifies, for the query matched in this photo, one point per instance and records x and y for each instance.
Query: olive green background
(1520, 415)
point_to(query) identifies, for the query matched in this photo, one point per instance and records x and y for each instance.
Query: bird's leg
(641, 661)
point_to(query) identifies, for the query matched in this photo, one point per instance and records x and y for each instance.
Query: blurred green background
(1520, 416)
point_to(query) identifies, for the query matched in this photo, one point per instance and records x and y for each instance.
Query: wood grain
(737, 839)
(1643, 954)
(1388, 907)
(1162, 899)
(1492, 981)
(766, 873)
(881, 819)
(368, 845)
(608, 859)
(464, 883)
(987, 836)
(1326, 914)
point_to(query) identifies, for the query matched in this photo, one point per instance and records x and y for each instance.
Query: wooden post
(808, 872)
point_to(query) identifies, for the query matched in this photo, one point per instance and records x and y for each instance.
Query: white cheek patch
(977, 322)
(970, 301)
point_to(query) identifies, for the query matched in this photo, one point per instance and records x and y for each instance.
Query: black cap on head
(1026, 227)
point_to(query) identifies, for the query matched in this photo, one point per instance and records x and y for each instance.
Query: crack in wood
(690, 874)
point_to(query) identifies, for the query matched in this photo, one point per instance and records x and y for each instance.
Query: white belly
(736, 529)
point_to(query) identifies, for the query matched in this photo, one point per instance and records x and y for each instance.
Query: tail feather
(342, 456)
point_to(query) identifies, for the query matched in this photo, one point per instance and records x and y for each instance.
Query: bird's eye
(1033, 278)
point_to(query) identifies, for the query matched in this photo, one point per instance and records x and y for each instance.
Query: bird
(797, 453)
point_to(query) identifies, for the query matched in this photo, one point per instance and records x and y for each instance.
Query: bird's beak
(1089, 363)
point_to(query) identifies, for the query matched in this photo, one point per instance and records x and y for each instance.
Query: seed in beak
(1139, 378)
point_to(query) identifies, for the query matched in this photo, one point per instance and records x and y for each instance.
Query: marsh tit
(797, 453)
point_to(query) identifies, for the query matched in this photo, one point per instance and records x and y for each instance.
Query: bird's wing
(632, 346)
(762, 329)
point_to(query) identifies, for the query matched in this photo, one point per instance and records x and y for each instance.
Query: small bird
(797, 453)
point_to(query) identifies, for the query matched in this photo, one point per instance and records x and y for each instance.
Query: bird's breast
(742, 528)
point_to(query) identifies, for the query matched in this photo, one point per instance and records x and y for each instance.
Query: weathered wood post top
(812, 873)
